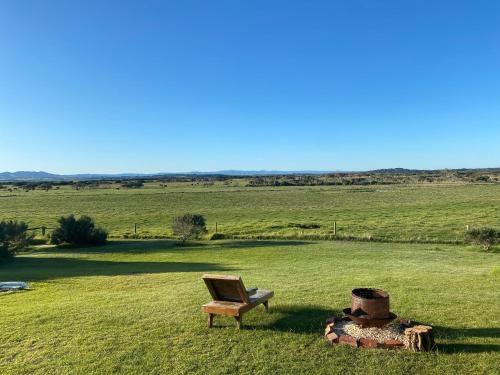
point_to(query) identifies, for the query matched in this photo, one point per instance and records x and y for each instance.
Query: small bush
(304, 225)
(483, 178)
(133, 184)
(80, 231)
(486, 237)
(13, 237)
(189, 226)
(217, 236)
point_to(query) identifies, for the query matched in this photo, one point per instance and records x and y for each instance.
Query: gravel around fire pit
(391, 331)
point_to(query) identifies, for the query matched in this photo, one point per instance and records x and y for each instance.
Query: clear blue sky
(154, 86)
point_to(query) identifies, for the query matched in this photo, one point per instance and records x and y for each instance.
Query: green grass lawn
(134, 307)
(436, 213)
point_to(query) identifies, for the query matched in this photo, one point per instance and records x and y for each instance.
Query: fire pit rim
(375, 293)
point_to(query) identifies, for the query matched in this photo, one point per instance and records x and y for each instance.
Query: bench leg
(239, 321)
(266, 305)
(210, 320)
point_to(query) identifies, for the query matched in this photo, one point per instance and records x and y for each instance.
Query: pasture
(416, 213)
(134, 307)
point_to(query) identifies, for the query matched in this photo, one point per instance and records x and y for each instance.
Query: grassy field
(134, 306)
(436, 213)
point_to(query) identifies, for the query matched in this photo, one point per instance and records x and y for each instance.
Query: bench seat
(231, 308)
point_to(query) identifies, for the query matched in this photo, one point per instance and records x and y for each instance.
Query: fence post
(467, 228)
(135, 228)
(215, 227)
(43, 230)
(335, 228)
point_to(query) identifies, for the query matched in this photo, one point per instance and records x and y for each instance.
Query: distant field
(133, 307)
(386, 212)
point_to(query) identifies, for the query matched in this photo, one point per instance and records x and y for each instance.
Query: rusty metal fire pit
(366, 324)
(369, 307)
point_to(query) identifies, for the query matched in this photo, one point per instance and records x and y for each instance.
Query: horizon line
(246, 171)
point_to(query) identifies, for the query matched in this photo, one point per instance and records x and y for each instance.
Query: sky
(172, 86)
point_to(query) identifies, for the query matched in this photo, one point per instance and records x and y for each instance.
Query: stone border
(333, 338)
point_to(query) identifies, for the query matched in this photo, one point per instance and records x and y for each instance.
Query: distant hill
(28, 175)
(411, 171)
(396, 171)
(237, 172)
(45, 176)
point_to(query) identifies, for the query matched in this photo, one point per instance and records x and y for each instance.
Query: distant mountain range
(45, 176)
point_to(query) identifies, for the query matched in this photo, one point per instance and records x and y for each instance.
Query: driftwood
(419, 338)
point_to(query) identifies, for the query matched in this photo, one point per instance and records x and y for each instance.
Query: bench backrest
(226, 288)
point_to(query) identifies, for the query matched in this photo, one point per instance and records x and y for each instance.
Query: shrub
(133, 184)
(485, 237)
(13, 237)
(80, 231)
(45, 186)
(304, 225)
(483, 178)
(217, 236)
(189, 226)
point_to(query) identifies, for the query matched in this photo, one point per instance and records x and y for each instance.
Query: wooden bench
(231, 298)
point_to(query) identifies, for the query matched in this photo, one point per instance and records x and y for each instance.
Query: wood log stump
(419, 338)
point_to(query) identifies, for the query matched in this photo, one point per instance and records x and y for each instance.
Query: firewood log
(419, 338)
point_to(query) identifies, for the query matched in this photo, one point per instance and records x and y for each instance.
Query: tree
(189, 226)
(487, 237)
(13, 237)
(80, 231)
(133, 184)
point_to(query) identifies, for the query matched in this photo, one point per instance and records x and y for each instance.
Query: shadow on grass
(468, 348)
(299, 319)
(455, 334)
(152, 246)
(259, 243)
(119, 246)
(38, 268)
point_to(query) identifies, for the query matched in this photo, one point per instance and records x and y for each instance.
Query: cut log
(329, 328)
(332, 338)
(419, 338)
